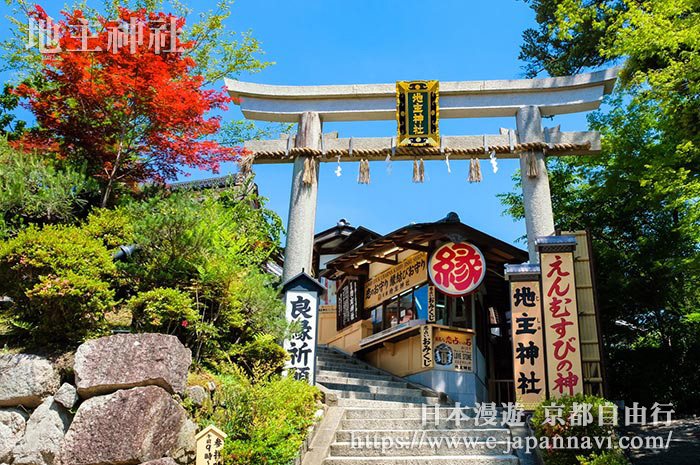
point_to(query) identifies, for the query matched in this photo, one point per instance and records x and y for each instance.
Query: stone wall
(123, 407)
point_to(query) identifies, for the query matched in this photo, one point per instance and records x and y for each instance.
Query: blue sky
(361, 41)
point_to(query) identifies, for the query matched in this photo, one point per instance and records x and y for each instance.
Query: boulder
(163, 461)
(42, 438)
(15, 419)
(198, 395)
(7, 443)
(125, 361)
(66, 395)
(185, 449)
(25, 380)
(128, 427)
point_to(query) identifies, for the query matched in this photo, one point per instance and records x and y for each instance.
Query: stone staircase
(381, 422)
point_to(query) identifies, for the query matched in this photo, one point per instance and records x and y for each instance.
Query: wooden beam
(411, 246)
(382, 260)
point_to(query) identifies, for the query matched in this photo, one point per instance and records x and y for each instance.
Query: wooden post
(298, 253)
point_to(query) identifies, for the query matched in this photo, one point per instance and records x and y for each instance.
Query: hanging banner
(408, 273)
(432, 305)
(528, 343)
(564, 372)
(457, 269)
(349, 304)
(302, 309)
(426, 342)
(453, 350)
(417, 113)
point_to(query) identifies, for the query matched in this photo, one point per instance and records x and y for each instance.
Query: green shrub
(609, 457)
(262, 350)
(163, 310)
(265, 416)
(569, 456)
(36, 190)
(114, 227)
(59, 280)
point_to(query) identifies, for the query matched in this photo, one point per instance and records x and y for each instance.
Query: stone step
(389, 397)
(406, 424)
(423, 460)
(372, 389)
(376, 404)
(345, 366)
(330, 355)
(415, 445)
(355, 375)
(499, 434)
(323, 379)
(444, 412)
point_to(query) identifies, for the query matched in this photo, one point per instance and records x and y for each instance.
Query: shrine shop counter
(441, 357)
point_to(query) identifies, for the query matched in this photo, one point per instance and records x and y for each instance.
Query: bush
(265, 416)
(35, 190)
(113, 227)
(59, 280)
(262, 350)
(569, 456)
(163, 310)
(610, 457)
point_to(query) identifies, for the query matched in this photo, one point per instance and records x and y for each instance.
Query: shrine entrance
(428, 284)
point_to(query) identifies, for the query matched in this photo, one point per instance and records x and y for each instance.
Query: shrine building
(385, 306)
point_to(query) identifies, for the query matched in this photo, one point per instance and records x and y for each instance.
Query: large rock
(12, 424)
(185, 449)
(26, 380)
(42, 438)
(15, 419)
(125, 361)
(163, 461)
(128, 427)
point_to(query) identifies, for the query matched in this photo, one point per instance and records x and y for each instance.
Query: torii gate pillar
(537, 200)
(298, 251)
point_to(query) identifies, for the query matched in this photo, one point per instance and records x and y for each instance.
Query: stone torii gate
(528, 100)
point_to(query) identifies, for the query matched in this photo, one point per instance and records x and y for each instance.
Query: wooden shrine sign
(417, 113)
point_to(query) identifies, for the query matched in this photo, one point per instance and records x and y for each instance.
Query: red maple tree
(133, 113)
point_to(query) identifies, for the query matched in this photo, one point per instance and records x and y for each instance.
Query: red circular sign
(457, 269)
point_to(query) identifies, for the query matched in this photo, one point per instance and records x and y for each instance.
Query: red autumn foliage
(134, 113)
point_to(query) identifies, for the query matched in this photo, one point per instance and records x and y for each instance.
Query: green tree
(641, 198)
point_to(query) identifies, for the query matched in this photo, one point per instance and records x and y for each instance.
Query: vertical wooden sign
(210, 441)
(426, 341)
(561, 325)
(432, 308)
(528, 343)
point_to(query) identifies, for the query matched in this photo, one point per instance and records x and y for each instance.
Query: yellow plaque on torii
(418, 113)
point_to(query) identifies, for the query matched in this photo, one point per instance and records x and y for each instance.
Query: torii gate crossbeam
(526, 99)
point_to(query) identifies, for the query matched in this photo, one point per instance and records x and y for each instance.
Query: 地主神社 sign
(408, 273)
(417, 113)
(453, 350)
(528, 344)
(209, 442)
(301, 298)
(457, 269)
(560, 309)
